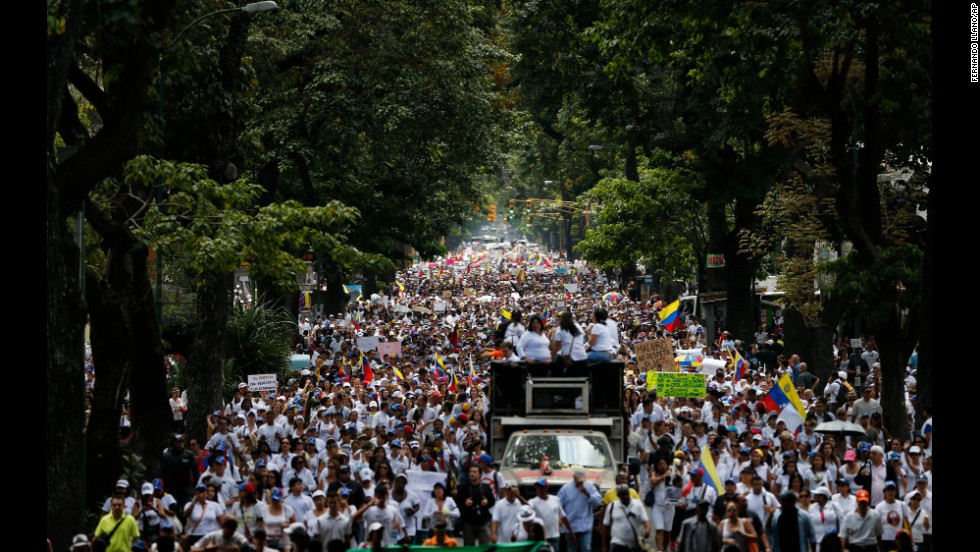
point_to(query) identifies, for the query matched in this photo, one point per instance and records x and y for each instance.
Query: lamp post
(254, 7)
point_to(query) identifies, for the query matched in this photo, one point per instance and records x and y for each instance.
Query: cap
(731, 480)
(260, 463)
(247, 487)
(850, 456)
(401, 476)
(375, 526)
(915, 450)
(864, 446)
(344, 468)
(373, 404)
(343, 491)
(508, 484)
(922, 479)
(366, 473)
(895, 456)
(79, 541)
(201, 487)
(242, 385)
(842, 374)
(318, 493)
(485, 458)
(890, 485)
(786, 435)
(299, 528)
(863, 496)
(745, 450)
(276, 494)
(541, 483)
(122, 483)
(158, 484)
(146, 488)
(696, 471)
(526, 513)
(843, 481)
(822, 491)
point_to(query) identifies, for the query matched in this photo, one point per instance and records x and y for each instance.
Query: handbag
(650, 498)
(644, 545)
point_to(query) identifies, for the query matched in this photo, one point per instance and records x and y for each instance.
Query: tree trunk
(893, 359)
(111, 347)
(65, 373)
(151, 414)
(205, 379)
(923, 375)
(335, 300)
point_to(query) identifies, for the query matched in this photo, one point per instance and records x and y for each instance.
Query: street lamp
(254, 7)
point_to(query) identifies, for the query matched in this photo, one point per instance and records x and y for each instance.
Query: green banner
(677, 384)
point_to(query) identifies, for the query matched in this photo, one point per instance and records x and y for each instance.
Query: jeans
(599, 356)
(476, 533)
(584, 542)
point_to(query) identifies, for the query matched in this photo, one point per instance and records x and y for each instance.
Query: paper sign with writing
(439, 307)
(677, 384)
(262, 382)
(365, 344)
(655, 354)
(709, 366)
(855, 343)
(390, 348)
(571, 288)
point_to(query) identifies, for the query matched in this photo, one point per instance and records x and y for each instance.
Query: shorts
(662, 517)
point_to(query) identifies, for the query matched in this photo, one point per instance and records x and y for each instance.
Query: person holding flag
(783, 399)
(367, 375)
(698, 490)
(670, 317)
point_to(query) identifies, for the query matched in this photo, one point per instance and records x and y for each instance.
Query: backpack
(850, 388)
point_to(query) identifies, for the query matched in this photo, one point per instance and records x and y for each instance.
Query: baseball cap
(921, 479)
(863, 496)
(541, 482)
(401, 476)
(122, 483)
(158, 484)
(842, 374)
(894, 455)
(822, 491)
(843, 481)
(366, 473)
(915, 450)
(849, 456)
(146, 488)
(247, 487)
(890, 485)
(485, 458)
(260, 463)
(508, 484)
(318, 493)
(277, 494)
(79, 541)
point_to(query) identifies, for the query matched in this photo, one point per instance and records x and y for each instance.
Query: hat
(343, 491)
(247, 487)
(822, 491)
(146, 488)
(850, 456)
(895, 456)
(413, 444)
(260, 463)
(757, 437)
(731, 480)
(485, 458)
(318, 493)
(122, 483)
(787, 495)
(579, 474)
(401, 476)
(375, 526)
(158, 484)
(373, 404)
(745, 450)
(79, 541)
(842, 374)
(541, 483)
(201, 487)
(890, 485)
(863, 496)
(298, 528)
(915, 450)
(508, 484)
(864, 446)
(277, 494)
(344, 468)
(526, 513)
(843, 481)
(220, 460)
(696, 471)
(242, 385)
(680, 454)
(922, 479)
(786, 435)
(366, 473)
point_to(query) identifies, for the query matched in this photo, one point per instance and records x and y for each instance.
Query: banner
(656, 355)
(354, 290)
(855, 343)
(420, 483)
(709, 366)
(571, 288)
(262, 382)
(439, 306)
(365, 344)
(390, 348)
(676, 384)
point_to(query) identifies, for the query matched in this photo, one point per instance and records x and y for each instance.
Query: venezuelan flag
(472, 371)
(452, 381)
(368, 375)
(441, 365)
(711, 478)
(399, 377)
(505, 313)
(401, 287)
(670, 317)
(739, 364)
(783, 399)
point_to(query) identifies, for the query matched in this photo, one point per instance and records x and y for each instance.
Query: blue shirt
(578, 507)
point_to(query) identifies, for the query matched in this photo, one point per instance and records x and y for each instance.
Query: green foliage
(260, 338)
(647, 222)
(872, 290)
(219, 226)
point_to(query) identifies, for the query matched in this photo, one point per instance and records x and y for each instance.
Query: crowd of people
(364, 449)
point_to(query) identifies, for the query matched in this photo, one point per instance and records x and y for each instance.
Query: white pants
(662, 516)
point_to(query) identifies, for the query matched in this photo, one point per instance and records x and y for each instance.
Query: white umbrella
(841, 428)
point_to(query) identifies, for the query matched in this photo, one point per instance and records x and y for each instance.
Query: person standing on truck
(475, 500)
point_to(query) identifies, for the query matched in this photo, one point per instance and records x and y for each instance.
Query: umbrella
(612, 297)
(841, 428)
(687, 361)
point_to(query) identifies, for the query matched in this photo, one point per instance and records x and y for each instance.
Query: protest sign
(676, 384)
(655, 354)
(390, 348)
(262, 382)
(365, 344)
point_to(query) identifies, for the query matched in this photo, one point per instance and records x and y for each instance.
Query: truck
(543, 427)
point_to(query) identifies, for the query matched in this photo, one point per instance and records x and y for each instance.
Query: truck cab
(574, 422)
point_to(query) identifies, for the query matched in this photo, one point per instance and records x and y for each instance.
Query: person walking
(475, 500)
(862, 528)
(117, 528)
(578, 498)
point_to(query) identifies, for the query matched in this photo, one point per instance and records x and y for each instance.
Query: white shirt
(832, 517)
(624, 527)
(551, 512)
(574, 346)
(602, 342)
(534, 346)
(613, 334)
(513, 333)
(504, 514)
(389, 518)
(891, 517)
(846, 504)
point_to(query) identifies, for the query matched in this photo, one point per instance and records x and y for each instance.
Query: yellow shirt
(122, 539)
(612, 496)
